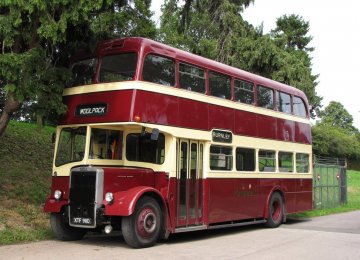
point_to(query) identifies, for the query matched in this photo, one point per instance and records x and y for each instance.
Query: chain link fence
(329, 183)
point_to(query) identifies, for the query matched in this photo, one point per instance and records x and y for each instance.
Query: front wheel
(275, 211)
(62, 230)
(142, 228)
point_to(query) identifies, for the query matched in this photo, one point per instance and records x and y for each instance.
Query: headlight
(57, 194)
(109, 197)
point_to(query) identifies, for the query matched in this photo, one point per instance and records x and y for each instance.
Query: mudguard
(53, 205)
(125, 201)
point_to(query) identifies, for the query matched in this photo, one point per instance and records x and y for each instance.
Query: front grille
(86, 191)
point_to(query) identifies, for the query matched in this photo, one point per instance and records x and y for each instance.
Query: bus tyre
(142, 228)
(63, 231)
(275, 211)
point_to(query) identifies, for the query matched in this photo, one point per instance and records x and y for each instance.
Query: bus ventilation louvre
(86, 188)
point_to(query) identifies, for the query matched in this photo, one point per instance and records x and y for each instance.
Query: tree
(335, 135)
(215, 29)
(38, 37)
(203, 27)
(334, 142)
(335, 115)
(291, 35)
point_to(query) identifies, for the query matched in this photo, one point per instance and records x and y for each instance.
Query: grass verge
(25, 173)
(353, 183)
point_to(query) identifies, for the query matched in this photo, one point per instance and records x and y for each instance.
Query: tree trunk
(11, 105)
(39, 122)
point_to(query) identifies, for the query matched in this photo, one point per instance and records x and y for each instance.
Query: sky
(335, 28)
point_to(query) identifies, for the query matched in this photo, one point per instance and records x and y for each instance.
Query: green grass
(25, 178)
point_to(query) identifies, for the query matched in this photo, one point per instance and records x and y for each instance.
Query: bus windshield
(119, 67)
(82, 72)
(71, 145)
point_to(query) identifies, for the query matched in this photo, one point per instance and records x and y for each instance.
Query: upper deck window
(82, 72)
(118, 67)
(283, 102)
(244, 92)
(159, 70)
(299, 107)
(192, 78)
(265, 97)
(219, 85)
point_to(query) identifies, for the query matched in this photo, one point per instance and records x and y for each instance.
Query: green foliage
(215, 29)
(335, 115)
(335, 135)
(334, 142)
(38, 37)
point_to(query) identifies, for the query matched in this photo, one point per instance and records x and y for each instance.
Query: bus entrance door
(189, 183)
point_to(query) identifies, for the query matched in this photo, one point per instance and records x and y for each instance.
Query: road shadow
(293, 221)
(116, 239)
(209, 234)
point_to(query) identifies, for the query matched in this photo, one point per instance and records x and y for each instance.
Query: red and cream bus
(159, 141)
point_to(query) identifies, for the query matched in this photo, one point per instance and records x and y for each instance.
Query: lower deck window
(245, 159)
(267, 161)
(142, 148)
(285, 162)
(220, 158)
(106, 144)
(302, 163)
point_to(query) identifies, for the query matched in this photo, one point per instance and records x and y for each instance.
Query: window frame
(229, 81)
(117, 54)
(236, 159)
(274, 158)
(308, 163)
(282, 168)
(278, 94)
(303, 106)
(178, 74)
(231, 160)
(272, 97)
(245, 90)
(161, 162)
(174, 85)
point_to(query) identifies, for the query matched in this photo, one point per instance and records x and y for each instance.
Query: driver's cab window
(106, 144)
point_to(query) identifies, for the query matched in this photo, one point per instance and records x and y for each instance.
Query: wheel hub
(146, 223)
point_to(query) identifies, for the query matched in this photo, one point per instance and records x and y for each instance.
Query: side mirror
(53, 138)
(155, 134)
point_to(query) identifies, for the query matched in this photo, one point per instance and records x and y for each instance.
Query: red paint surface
(232, 199)
(62, 184)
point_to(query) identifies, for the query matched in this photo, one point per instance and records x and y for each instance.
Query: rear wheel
(62, 230)
(142, 228)
(275, 211)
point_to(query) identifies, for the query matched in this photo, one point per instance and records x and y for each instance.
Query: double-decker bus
(159, 141)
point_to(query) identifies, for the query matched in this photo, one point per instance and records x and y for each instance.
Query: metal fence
(329, 183)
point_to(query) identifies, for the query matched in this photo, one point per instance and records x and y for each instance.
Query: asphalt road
(330, 237)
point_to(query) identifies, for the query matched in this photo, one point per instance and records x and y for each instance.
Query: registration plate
(82, 221)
